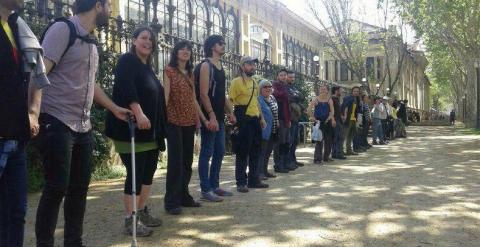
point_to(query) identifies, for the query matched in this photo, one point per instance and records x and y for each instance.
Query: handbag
(240, 112)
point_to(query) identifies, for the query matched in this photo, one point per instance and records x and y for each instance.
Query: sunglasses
(267, 87)
(222, 43)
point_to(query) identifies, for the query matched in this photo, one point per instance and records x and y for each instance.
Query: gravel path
(420, 191)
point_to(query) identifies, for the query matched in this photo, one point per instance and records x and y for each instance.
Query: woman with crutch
(138, 88)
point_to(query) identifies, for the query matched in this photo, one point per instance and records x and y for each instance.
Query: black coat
(136, 82)
(14, 122)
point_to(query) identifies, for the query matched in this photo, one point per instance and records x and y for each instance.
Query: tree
(394, 47)
(450, 29)
(344, 39)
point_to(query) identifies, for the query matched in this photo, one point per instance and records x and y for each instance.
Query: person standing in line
(20, 97)
(270, 132)
(357, 139)
(281, 148)
(322, 111)
(338, 140)
(350, 110)
(66, 141)
(378, 111)
(137, 88)
(183, 113)
(296, 100)
(243, 93)
(452, 117)
(210, 86)
(367, 121)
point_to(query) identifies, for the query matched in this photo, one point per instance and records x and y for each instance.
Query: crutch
(131, 126)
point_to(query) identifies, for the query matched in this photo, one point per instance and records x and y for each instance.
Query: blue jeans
(377, 130)
(294, 142)
(337, 149)
(13, 194)
(212, 147)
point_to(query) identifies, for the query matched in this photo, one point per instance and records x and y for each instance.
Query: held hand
(34, 126)
(289, 124)
(263, 124)
(143, 122)
(334, 123)
(213, 124)
(122, 113)
(232, 119)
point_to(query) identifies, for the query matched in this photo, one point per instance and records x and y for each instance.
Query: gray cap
(248, 59)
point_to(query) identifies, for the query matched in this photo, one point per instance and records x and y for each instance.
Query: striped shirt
(272, 103)
(366, 112)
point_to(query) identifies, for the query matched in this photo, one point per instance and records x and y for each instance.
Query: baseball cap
(248, 59)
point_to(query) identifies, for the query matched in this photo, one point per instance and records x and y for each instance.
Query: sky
(363, 10)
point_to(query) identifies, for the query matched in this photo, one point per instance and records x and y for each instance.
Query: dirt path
(420, 191)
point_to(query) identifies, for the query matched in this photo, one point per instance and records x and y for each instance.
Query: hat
(247, 59)
(386, 97)
(263, 83)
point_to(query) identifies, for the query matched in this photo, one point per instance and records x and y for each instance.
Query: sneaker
(300, 164)
(269, 175)
(221, 192)
(242, 189)
(147, 219)
(142, 230)
(210, 197)
(258, 185)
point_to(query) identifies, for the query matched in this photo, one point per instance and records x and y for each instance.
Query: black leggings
(145, 167)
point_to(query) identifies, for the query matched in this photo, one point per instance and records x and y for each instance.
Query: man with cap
(243, 93)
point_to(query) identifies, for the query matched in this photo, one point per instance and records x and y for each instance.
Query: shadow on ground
(420, 191)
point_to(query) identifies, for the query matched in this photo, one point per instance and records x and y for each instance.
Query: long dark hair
(174, 56)
(153, 39)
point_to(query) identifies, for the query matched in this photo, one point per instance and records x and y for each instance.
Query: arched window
(299, 61)
(200, 22)
(285, 52)
(135, 10)
(257, 42)
(231, 25)
(180, 19)
(216, 17)
(291, 52)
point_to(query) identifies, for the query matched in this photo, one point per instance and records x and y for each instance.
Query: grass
(108, 172)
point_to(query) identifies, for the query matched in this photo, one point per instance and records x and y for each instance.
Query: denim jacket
(268, 116)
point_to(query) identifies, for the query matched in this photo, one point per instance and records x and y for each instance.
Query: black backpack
(212, 83)
(73, 34)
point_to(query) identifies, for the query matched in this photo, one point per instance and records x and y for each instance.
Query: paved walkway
(420, 191)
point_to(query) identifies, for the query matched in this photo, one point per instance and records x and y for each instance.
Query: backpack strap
(73, 35)
(212, 84)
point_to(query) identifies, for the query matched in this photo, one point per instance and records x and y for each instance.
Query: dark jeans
(212, 147)
(350, 131)
(324, 148)
(250, 135)
(266, 152)
(338, 140)
(13, 195)
(145, 167)
(281, 148)
(293, 141)
(180, 141)
(67, 161)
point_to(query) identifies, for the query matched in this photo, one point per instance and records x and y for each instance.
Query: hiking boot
(142, 230)
(221, 192)
(210, 197)
(147, 219)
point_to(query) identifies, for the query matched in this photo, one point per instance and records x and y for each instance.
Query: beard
(102, 20)
(250, 73)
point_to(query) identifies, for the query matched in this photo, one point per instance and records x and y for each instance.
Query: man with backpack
(210, 85)
(243, 93)
(20, 94)
(71, 61)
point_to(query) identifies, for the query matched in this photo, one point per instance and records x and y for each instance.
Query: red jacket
(280, 92)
